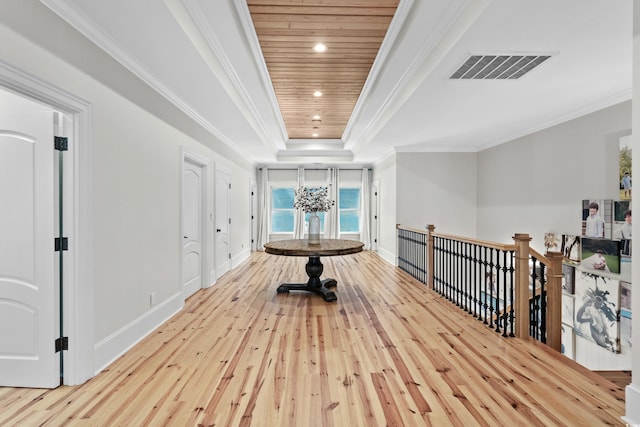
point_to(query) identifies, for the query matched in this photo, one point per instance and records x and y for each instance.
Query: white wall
(136, 175)
(439, 189)
(523, 188)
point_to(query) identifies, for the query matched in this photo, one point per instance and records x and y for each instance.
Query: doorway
(76, 267)
(194, 223)
(254, 214)
(223, 221)
(375, 212)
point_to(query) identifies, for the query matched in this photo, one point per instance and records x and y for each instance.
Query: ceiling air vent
(496, 67)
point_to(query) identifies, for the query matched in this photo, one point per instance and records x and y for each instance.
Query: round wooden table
(301, 247)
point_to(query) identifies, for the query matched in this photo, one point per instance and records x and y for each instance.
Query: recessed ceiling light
(320, 47)
(315, 135)
(316, 117)
(317, 93)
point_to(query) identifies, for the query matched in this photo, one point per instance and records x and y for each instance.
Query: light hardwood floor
(388, 352)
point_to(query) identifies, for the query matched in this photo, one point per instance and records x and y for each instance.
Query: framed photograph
(625, 328)
(624, 172)
(571, 248)
(568, 342)
(568, 278)
(625, 296)
(552, 242)
(596, 310)
(601, 255)
(567, 309)
(597, 217)
(622, 225)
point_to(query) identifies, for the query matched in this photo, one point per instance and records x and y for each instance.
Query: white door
(375, 212)
(223, 251)
(28, 285)
(254, 215)
(192, 226)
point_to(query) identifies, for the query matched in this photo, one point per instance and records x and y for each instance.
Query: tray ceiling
(243, 70)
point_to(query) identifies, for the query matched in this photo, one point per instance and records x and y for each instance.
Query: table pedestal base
(321, 287)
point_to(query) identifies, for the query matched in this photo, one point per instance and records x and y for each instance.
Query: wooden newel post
(521, 306)
(554, 301)
(430, 257)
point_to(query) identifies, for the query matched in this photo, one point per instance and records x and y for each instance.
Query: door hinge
(229, 186)
(61, 143)
(61, 244)
(62, 343)
(229, 256)
(229, 220)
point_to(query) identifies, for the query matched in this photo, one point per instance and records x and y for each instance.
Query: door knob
(185, 237)
(218, 230)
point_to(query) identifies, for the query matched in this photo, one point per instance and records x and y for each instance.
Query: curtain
(365, 210)
(332, 217)
(263, 209)
(298, 219)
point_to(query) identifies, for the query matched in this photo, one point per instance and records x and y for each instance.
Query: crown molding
(460, 15)
(199, 30)
(252, 43)
(92, 31)
(600, 104)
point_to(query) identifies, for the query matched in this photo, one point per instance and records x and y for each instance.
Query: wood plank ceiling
(352, 31)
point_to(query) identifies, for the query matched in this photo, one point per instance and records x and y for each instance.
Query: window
(282, 211)
(349, 205)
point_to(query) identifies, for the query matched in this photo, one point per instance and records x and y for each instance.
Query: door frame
(206, 215)
(78, 284)
(375, 214)
(226, 171)
(253, 203)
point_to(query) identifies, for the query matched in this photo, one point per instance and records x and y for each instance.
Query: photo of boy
(597, 218)
(601, 255)
(623, 232)
(594, 222)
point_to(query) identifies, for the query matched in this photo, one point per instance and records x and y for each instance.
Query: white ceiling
(203, 56)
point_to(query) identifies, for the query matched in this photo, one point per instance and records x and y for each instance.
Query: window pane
(349, 198)
(349, 210)
(349, 221)
(282, 198)
(282, 221)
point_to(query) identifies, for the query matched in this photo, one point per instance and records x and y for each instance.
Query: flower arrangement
(312, 199)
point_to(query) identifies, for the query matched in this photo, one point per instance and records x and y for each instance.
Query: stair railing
(510, 287)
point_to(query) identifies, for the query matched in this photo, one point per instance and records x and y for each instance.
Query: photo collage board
(596, 284)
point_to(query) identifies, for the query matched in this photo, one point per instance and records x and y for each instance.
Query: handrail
(486, 243)
(415, 230)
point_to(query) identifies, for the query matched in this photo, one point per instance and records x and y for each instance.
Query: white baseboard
(240, 258)
(212, 279)
(388, 256)
(115, 345)
(632, 399)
